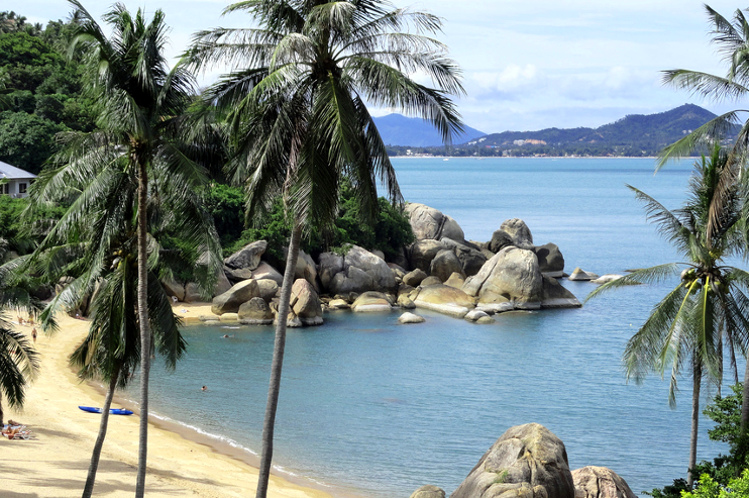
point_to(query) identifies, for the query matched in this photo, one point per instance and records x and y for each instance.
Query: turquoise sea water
(380, 408)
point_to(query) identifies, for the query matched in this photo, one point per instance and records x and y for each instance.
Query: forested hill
(396, 129)
(633, 135)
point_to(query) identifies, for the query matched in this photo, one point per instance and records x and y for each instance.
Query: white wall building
(18, 180)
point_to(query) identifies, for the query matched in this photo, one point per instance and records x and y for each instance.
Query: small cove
(370, 405)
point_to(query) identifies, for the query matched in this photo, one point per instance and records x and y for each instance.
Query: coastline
(181, 461)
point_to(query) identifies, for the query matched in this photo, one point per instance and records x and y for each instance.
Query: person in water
(204, 388)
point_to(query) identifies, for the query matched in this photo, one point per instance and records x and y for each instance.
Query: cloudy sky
(527, 64)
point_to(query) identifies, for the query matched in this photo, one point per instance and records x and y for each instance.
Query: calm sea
(381, 408)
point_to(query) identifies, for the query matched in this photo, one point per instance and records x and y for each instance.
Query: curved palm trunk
(697, 380)
(89, 488)
(275, 371)
(145, 333)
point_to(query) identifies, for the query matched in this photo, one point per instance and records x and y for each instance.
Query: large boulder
(422, 252)
(527, 461)
(556, 296)
(550, 260)
(229, 301)
(268, 289)
(359, 271)
(255, 312)
(444, 264)
(511, 275)
(305, 303)
(193, 294)
(519, 231)
(456, 280)
(372, 301)
(600, 482)
(429, 223)
(415, 277)
(222, 284)
(500, 240)
(174, 288)
(580, 275)
(306, 269)
(247, 257)
(470, 256)
(264, 271)
(444, 299)
(238, 274)
(428, 491)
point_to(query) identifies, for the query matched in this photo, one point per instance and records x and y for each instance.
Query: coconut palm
(140, 102)
(296, 99)
(18, 365)
(708, 306)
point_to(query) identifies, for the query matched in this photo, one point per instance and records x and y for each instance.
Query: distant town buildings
(14, 181)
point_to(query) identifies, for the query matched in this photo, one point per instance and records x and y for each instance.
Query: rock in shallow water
(428, 491)
(410, 318)
(600, 482)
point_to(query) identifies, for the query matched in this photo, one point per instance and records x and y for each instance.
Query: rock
(429, 223)
(428, 491)
(209, 318)
(398, 272)
(247, 257)
(470, 256)
(456, 280)
(404, 289)
(62, 283)
(444, 264)
(237, 275)
(474, 315)
(485, 320)
(338, 304)
(306, 269)
(556, 296)
(550, 260)
(430, 281)
(174, 288)
(494, 308)
(422, 252)
(600, 482)
(519, 231)
(193, 294)
(229, 318)
(264, 271)
(581, 276)
(444, 299)
(222, 284)
(604, 279)
(410, 318)
(372, 301)
(405, 302)
(229, 301)
(401, 258)
(292, 321)
(415, 277)
(378, 253)
(359, 271)
(305, 303)
(526, 461)
(500, 240)
(511, 275)
(255, 312)
(268, 289)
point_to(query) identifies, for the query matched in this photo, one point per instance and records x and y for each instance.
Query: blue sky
(527, 64)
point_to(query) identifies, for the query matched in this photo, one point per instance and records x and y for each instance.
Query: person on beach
(33, 334)
(20, 320)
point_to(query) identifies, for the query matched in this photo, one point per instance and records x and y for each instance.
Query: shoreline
(181, 460)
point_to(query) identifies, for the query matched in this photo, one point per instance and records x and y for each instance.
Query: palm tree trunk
(145, 333)
(697, 380)
(744, 402)
(94, 465)
(277, 363)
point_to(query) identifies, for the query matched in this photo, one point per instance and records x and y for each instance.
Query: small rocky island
(439, 271)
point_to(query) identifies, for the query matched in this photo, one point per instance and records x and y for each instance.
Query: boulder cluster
(440, 271)
(530, 461)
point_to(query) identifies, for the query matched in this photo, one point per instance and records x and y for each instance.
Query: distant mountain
(633, 135)
(396, 129)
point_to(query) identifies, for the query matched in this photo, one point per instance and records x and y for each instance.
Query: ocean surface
(373, 408)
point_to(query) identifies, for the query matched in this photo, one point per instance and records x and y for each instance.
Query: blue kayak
(113, 411)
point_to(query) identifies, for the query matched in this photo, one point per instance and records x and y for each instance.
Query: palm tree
(707, 307)
(296, 100)
(19, 363)
(140, 103)
(732, 37)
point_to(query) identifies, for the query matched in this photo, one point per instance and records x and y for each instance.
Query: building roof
(13, 173)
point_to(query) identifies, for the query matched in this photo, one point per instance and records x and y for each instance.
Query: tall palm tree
(19, 363)
(732, 38)
(139, 119)
(296, 99)
(707, 308)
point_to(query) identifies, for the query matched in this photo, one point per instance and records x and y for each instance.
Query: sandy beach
(55, 463)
